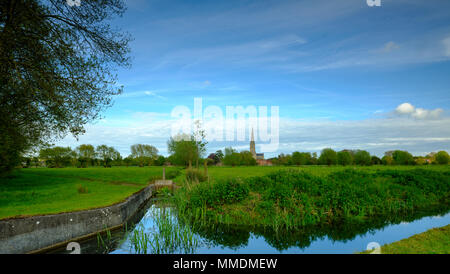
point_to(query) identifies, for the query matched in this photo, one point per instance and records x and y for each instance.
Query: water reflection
(338, 237)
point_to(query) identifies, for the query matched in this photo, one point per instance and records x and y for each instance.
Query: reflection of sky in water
(257, 244)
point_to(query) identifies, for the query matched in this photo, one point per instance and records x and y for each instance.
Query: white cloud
(446, 43)
(407, 109)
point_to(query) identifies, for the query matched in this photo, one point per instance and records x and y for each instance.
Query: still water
(339, 238)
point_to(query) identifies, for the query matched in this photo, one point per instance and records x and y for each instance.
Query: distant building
(259, 157)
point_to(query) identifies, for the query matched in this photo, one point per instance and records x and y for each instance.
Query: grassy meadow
(38, 191)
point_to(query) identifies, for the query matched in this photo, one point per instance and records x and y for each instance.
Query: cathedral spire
(252, 145)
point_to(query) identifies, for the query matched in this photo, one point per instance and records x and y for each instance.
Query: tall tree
(107, 154)
(144, 153)
(442, 157)
(56, 69)
(328, 157)
(184, 149)
(86, 154)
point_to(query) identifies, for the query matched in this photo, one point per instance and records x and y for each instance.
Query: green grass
(39, 191)
(433, 241)
(286, 198)
(217, 173)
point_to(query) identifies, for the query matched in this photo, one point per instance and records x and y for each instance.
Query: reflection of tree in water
(237, 236)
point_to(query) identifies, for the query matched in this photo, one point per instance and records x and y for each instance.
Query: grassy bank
(433, 241)
(286, 198)
(38, 191)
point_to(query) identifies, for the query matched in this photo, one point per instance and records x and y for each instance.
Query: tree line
(87, 155)
(189, 151)
(346, 157)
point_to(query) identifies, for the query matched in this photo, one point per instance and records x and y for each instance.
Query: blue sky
(338, 70)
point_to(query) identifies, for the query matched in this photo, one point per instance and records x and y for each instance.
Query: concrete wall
(22, 235)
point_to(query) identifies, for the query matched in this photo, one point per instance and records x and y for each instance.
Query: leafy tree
(387, 160)
(442, 157)
(362, 158)
(184, 149)
(344, 158)
(231, 158)
(375, 160)
(128, 161)
(214, 159)
(219, 155)
(107, 154)
(200, 141)
(301, 158)
(402, 158)
(160, 160)
(328, 157)
(56, 69)
(86, 155)
(56, 156)
(246, 158)
(144, 153)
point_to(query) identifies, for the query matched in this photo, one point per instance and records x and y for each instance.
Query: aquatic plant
(165, 237)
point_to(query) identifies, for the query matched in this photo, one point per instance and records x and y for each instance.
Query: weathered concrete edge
(24, 235)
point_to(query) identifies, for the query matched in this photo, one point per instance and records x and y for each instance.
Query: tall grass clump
(167, 236)
(82, 189)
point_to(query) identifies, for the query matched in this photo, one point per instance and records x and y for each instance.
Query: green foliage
(301, 158)
(291, 197)
(375, 160)
(442, 157)
(55, 70)
(344, 158)
(328, 157)
(56, 156)
(173, 173)
(362, 158)
(402, 158)
(144, 154)
(221, 192)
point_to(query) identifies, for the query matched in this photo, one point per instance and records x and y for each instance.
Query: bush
(171, 174)
(222, 192)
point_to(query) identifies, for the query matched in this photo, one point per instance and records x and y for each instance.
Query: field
(37, 191)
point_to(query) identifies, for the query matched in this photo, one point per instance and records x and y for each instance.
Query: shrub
(222, 192)
(171, 174)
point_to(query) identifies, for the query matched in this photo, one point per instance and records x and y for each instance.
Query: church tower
(252, 146)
